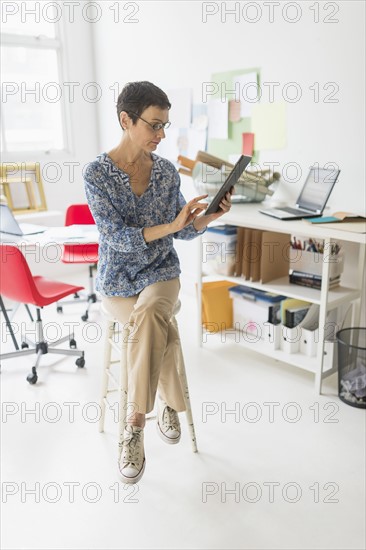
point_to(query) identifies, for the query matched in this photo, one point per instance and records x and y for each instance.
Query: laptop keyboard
(294, 210)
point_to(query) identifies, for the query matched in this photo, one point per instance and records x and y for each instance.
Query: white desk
(247, 215)
(43, 252)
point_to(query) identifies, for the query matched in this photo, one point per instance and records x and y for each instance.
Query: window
(32, 99)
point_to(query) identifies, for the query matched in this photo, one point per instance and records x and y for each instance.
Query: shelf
(299, 360)
(248, 216)
(282, 286)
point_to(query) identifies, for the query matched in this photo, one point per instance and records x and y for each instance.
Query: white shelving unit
(247, 215)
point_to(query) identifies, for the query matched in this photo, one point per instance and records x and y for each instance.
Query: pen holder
(312, 262)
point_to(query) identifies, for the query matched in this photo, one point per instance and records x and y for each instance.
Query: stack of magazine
(309, 279)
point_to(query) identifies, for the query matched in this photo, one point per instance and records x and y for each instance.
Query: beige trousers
(153, 348)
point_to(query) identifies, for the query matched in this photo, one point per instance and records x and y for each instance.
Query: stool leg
(106, 366)
(123, 389)
(183, 376)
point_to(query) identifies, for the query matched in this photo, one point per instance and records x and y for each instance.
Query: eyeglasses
(157, 126)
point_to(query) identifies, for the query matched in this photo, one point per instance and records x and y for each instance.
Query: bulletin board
(233, 144)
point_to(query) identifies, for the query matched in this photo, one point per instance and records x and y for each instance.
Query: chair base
(41, 347)
(86, 298)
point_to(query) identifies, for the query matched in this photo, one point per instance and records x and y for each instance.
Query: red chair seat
(52, 291)
(17, 282)
(80, 254)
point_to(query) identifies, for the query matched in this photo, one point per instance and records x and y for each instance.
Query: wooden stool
(116, 338)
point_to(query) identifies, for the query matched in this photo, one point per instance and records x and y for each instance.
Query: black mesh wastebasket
(352, 366)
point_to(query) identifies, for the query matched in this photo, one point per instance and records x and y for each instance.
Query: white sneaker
(132, 461)
(168, 425)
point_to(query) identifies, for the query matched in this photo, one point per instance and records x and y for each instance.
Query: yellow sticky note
(269, 125)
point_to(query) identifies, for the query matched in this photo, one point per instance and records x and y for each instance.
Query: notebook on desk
(313, 196)
(10, 226)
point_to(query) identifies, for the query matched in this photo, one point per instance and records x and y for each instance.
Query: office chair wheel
(25, 345)
(85, 317)
(72, 343)
(59, 309)
(80, 362)
(32, 378)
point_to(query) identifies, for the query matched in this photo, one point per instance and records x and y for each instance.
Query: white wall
(171, 46)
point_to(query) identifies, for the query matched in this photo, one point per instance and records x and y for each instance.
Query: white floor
(266, 484)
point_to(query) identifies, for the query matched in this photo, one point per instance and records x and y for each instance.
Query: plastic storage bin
(255, 310)
(352, 366)
(219, 250)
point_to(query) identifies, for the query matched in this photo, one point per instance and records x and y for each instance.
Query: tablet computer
(230, 181)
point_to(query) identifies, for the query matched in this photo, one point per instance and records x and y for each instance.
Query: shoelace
(131, 448)
(170, 419)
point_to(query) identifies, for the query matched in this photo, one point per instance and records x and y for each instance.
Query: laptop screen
(317, 188)
(8, 223)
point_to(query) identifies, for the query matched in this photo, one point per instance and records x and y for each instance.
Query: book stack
(310, 279)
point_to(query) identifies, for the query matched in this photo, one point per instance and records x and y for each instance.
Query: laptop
(9, 225)
(313, 196)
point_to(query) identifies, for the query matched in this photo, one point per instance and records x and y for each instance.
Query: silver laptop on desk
(313, 196)
(10, 226)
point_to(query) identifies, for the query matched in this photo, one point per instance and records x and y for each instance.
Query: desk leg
(199, 291)
(323, 314)
(8, 323)
(360, 278)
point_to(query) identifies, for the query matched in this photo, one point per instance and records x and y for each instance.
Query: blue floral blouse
(127, 264)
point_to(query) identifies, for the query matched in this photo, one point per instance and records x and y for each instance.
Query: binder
(291, 336)
(291, 303)
(272, 335)
(310, 331)
(295, 315)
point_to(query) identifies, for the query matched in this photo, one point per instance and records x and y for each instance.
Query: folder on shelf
(291, 303)
(217, 308)
(255, 255)
(274, 256)
(246, 252)
(295, 315)
(239, 251)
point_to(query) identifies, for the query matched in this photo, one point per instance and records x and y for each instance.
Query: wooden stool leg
(123, 389)
(106, 366)
(183, 376)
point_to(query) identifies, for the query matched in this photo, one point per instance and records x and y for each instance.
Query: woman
(135, 199)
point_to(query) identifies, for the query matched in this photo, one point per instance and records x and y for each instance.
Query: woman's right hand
(189, 212)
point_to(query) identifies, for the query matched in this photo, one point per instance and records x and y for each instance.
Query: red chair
(77, 214)
(17, 283)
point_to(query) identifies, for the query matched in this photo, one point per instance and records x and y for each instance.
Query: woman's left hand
(225, 206)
